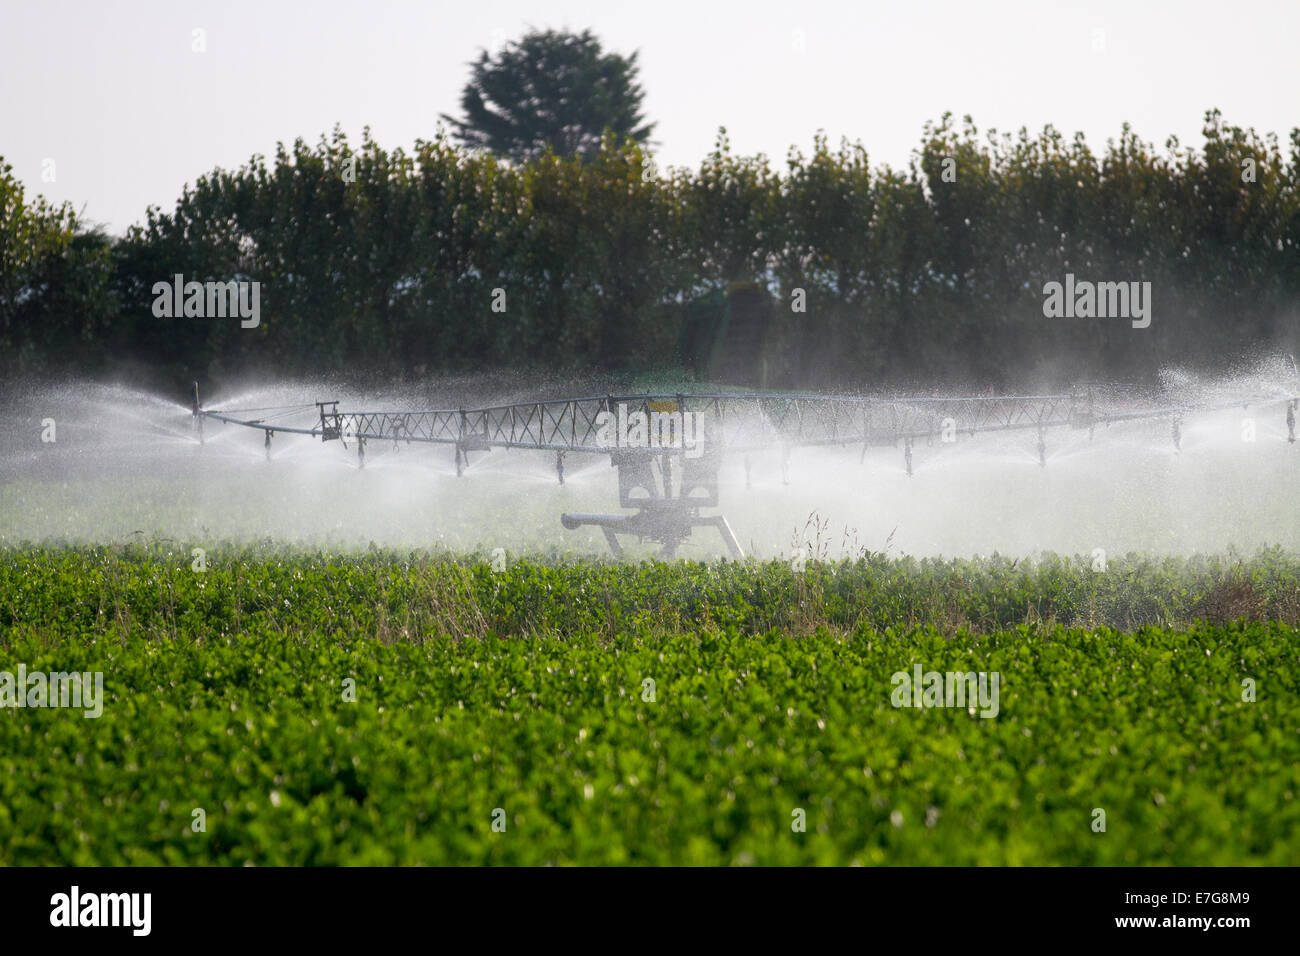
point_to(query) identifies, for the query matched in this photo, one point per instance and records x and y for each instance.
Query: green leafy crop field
(287, 707)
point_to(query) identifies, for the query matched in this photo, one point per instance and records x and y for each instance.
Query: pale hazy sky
(115, 95)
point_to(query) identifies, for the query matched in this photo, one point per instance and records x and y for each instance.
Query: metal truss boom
(739, 422)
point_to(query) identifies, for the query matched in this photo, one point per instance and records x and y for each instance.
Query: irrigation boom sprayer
(667, 448)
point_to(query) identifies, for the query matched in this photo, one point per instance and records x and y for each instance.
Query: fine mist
(126, 465)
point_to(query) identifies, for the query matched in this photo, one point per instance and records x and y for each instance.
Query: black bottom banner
(1217, 906)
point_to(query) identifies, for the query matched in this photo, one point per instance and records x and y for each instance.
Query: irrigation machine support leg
(559, 466)
(907, 455)
(1042, 447)
(361, 452)
(267, 444)
(728, 536)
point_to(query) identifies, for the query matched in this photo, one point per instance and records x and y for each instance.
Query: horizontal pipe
(779, 438)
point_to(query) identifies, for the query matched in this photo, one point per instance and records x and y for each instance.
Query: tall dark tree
(550, 88)
(54, 278)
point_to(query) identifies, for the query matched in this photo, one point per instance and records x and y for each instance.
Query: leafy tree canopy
(550, 89)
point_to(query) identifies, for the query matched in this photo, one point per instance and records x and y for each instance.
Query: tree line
(444, 259)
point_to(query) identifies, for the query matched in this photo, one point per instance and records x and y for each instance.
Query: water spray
(198, 415)
(666, 485)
